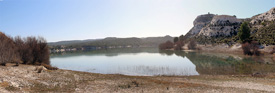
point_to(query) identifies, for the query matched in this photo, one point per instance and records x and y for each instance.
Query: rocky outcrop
(221, 25)
(200, 22)
(211, 25)
(267, 16)
(214, 25)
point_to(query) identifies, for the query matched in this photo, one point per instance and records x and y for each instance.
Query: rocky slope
(221, 25)
(214, 25)
(200, 22)
(210, 25)
(267, 16)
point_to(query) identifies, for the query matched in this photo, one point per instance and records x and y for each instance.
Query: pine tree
(244, 32)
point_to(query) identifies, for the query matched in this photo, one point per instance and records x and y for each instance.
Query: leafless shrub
(25, 53)
(29, 50)
(7, 49)
(166, 45)
(251, 48)
(178, 45)
(33, 50)
(192, 45)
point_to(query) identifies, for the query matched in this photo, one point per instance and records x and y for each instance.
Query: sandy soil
(25, 79)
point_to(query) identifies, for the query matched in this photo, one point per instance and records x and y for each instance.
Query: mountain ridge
(115, 41)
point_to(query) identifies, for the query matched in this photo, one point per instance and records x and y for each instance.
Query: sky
(58, 20)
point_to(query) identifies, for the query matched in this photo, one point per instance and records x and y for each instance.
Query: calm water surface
(151, 61)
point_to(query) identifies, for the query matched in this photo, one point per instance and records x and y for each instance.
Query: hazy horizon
(107, 37)
(63, 20)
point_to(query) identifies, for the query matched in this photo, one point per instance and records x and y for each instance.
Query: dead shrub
(29, 50)
(192, 45)
(32, 50)
(166, 45)
(251, 48)
(178, 45)
(7, 49)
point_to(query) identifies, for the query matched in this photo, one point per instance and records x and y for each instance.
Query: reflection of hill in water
(207, 63)
(106, 52)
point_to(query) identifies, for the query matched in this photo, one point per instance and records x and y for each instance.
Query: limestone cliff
(211, 25)
(200, 22)
(221, 25)
(214, 25)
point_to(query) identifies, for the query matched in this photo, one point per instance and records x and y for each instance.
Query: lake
(152, 62)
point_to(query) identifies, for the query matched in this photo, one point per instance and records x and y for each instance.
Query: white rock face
(200, 22)
(267, 16)
(219, 31)
(215, 25)
(224, 25)
(221, 25)
(224, 20)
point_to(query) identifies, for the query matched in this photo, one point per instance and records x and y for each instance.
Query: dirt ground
(25, 79)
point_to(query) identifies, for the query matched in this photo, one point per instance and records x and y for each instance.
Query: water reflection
(228, 64)
(151, 61)
(139, 61)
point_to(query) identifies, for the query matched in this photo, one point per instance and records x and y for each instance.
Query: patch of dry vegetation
(29, 50)
(251, 48)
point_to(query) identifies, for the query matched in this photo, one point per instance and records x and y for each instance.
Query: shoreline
(24, 79)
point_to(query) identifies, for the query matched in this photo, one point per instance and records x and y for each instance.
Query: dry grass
(4, 84)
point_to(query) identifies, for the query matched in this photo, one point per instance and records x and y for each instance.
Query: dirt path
(25, 79)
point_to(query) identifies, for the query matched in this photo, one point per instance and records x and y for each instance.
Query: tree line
(178, 44)
(29, 50)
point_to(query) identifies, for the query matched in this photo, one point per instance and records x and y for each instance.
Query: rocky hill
(267, 16)
(221, 25)
(200, 22)
(215, 25)
(226, 26)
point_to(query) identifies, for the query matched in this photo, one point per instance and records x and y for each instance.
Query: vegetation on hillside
(178, 44)
(250, 36)
(266, 34)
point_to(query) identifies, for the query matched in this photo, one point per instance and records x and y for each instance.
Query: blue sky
(58, 20)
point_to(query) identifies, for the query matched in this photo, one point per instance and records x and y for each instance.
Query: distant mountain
(70, 42)
(113, 41)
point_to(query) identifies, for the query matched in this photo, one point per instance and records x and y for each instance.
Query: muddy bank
(25, 79)
(234, 49)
